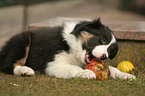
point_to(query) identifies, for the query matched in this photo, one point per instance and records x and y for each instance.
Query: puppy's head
(97, 39)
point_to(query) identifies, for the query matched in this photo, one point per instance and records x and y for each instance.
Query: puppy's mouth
(89, 57)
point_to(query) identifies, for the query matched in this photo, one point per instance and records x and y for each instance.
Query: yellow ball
(125, 66)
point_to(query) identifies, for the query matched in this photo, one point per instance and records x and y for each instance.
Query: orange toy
(100, 68)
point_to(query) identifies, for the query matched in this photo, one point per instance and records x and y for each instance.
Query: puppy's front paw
(87, 74)
(127, 76)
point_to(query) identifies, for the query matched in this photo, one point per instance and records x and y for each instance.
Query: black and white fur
(60, 51)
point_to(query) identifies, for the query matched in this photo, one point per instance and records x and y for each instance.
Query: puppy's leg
(14, 54)
(115, 73)
(20, 69)
(68, 71)
(23, 70)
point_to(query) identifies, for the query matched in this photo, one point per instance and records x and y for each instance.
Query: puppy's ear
(96, 24)
(85, 36)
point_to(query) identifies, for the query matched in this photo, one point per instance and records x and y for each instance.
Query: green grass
(41, 85)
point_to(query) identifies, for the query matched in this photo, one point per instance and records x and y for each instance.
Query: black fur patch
(45, 44)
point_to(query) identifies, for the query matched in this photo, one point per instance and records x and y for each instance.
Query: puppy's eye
(103, 41)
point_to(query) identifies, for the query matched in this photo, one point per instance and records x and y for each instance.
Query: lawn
(41, 85)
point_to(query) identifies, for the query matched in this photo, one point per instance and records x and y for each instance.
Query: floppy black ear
(112, 50)
(96, 24)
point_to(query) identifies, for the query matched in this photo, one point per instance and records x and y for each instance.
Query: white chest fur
(71, 61)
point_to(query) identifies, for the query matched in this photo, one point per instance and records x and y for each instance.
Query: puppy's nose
(104, 57)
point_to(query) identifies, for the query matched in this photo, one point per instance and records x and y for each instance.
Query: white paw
(87, 74)
(127, 76)
(115, 73)
(23, 70)
(27, 71)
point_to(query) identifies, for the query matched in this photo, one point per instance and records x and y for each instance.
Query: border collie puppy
(61, 51)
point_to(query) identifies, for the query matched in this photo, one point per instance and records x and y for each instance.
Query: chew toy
(99, 68)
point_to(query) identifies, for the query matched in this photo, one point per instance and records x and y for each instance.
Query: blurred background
(16, 15)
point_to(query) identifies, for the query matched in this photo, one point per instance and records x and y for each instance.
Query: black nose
(104, 57)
